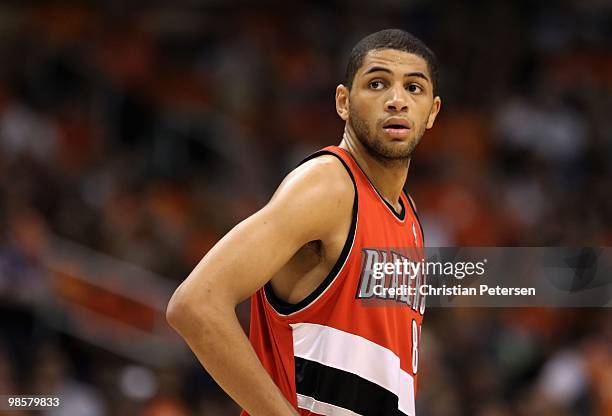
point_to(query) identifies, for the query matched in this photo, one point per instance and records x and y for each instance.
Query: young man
(305, 258)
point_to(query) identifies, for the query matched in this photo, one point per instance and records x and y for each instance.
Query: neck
(388, 177)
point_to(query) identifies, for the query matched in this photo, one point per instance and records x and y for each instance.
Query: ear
(435, 109)
(342, 102)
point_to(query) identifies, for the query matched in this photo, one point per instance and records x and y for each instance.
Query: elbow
(179, 311)
(187, 312)
(173, 311)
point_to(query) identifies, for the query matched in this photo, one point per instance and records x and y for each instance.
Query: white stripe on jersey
(355, 354)
(322, 408)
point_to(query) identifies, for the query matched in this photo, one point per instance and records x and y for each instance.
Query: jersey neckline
(401, 216)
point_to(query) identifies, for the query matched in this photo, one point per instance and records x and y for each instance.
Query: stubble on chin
(387, 154)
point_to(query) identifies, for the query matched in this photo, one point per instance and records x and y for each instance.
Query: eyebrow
(383, 69)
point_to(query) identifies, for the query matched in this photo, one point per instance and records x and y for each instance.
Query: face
(390, 104)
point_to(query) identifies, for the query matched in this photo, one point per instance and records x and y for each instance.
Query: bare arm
(306, 207)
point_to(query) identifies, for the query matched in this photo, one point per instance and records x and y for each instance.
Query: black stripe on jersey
(416, 215)
(344, 389)
(286, 308)
(399, 215)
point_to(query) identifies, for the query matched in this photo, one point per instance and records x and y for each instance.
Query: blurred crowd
(146, 131)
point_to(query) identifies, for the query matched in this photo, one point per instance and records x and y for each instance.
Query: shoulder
(316, 195)
(325, 170)
(321, 179)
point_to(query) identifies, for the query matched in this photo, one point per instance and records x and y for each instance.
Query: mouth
(396, 128)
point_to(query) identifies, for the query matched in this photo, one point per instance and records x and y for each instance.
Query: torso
(330, 346)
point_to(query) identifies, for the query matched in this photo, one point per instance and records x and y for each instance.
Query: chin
(399, 149)
(395, 153)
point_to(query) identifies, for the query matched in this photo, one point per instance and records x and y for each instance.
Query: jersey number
(416, 335)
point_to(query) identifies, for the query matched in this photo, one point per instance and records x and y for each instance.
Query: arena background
(134, 134)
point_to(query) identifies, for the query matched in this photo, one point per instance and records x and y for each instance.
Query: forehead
(394, 60)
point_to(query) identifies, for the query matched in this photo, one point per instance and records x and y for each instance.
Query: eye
(376, 84)
(414, 88)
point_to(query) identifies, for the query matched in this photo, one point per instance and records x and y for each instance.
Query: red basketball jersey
(349, 348)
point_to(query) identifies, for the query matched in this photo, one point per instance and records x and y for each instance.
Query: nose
(396, 102)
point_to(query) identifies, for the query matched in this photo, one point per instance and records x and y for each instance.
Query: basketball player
(315, 347)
